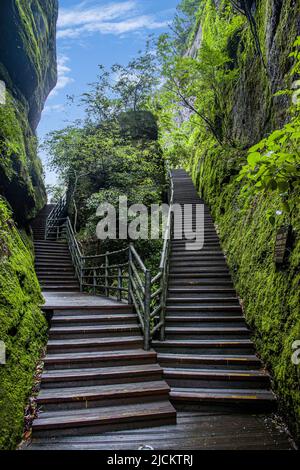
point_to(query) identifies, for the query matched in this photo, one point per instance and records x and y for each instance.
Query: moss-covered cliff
(22, 327)
(233, 88)
(28, 69)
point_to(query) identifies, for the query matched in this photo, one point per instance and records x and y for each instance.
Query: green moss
(19, 164)
(270, 296)
(22, 328)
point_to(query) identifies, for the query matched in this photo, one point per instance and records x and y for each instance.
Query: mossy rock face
(28, 69)
(28, 50)
(22, 327)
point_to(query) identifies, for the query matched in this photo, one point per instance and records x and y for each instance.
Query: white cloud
(63, 71)
(54, 108)
(113, 18)
(78, 15)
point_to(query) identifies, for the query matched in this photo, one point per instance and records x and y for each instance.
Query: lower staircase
(208, 355)
(96, 377)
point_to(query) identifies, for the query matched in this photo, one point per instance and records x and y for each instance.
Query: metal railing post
(147, 307)
(106, 275)
(119, 292)
(94, 281)
(129, 275)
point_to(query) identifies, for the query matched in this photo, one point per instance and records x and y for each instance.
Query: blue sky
(93, 32)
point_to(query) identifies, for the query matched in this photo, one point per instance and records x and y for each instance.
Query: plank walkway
(96, 377)
(194, 431)
(208, 356)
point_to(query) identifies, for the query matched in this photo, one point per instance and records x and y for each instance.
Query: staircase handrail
(131, 278)
(159, 296)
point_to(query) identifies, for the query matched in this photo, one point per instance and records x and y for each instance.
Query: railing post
(163, 305)
(147, 307)
(119, 294)
(106, 275)
(94, 281)
(82, 265)
(129, 275)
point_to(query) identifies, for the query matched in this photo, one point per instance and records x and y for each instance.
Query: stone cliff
(28, 70)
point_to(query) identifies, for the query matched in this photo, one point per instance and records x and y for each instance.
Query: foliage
(197, 84)
(108, 154)
(184, 23)
(122, 88)
(22, 328)
(274, 163)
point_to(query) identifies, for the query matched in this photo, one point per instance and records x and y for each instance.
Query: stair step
(203, 308)
(211, 331)
(204, 320)
(98, 420)
(232, 361)
(59, 288)
(218, 378)
(201, 290)
(59, 281)
(209, 346)
(235, 396)
(99, 359)
(101, 395)
(100, 376)
(95, 331)
(90, 319)
(201, 300)
(94, 344)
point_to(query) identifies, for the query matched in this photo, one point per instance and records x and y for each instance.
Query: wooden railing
(121, 274)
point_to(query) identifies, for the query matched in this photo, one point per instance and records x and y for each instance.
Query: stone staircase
(208, 355)
(96, 377)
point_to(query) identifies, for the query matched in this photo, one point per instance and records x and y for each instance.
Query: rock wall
(28, 70)
(27, 75)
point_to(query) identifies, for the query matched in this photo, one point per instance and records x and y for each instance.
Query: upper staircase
(208, 355)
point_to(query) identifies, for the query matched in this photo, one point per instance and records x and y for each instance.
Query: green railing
(121, 274)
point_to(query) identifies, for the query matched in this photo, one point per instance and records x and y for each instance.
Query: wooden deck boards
(58, 300)
(194, 431)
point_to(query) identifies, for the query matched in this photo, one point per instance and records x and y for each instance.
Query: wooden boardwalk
(194, 431)
(101, 391)
(208, 355)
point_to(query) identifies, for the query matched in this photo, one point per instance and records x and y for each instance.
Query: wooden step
(101, 395)
(60, 288)
(204, 320)
(216, 379)
(94, 344)
(201, 290)
(95, 331)
(73, 320)
(206, 347)
(211, 332)
(232, 361)
(189, 309)
(99, 420)
(196, 300)
(99, 359)
(199, 396)
(101, 376)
